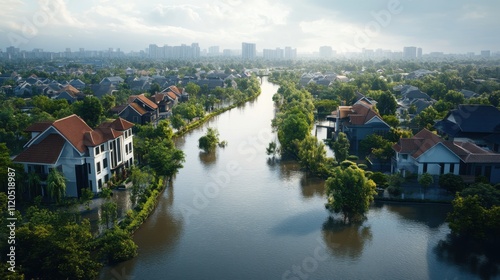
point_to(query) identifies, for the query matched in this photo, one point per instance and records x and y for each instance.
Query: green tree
(341, 147)
(312, 155)
(426, 180)
(387, 104)
(109, 213)
(468, 217)
(349, 192)
(56, 185)
(427, 117)
(454, 97)
(391, 120)
(165, 159)
(90, 110)
(86, 197)
(51, 246)
(108, 101)
(295, 127)
(177, 121)
(192, 89)
(209, 141)
(325, 107)
(451, 182)
(116, 245)
(139, 181)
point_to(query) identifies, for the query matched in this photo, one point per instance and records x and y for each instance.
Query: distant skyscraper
(419, 53)
(290, 53)
(213, 51)
(486, 53)
(325, 52)
(248, 51)
(410, 52)
(227, 53)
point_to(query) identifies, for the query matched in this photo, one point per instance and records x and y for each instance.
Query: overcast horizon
(54, 25)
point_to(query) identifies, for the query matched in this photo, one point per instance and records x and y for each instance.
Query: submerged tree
(349, 192)
(210, 140)
(341, 147)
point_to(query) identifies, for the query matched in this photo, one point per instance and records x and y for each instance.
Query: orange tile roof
(138, 108)
(146, 101)
(70, 89)
(47, 151)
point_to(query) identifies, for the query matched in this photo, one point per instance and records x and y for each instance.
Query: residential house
(114, 80)
(77, 83)
(140, 110)
(358, 121)
(87, 157)
(426, 152)
(479, 124)
(70, 93)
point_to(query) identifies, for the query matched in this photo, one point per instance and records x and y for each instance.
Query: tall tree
(164, 159)
(349, 192)
(341, 147)
(90, 110)
(387, 104)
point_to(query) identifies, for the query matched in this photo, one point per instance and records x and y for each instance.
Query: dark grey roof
(471, 119)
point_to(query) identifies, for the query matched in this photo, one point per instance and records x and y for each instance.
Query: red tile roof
(418, 144)
(73, 128)
(120, 124)
(39, 126)
(46, 152)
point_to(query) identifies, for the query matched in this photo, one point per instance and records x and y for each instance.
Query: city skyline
(346, 27)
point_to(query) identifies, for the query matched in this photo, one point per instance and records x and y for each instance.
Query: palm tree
(56, 184)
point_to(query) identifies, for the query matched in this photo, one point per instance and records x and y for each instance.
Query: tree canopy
(349, 192)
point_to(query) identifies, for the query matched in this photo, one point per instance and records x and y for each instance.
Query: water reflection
(346, 240)
(432, 216)
(312, 186)
(480, 259)
(207, 158)
(167, 227)
(299, 224)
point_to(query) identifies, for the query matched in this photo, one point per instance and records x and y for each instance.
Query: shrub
(380, 179)
(352, 157)
(451, 182)
(394, 190)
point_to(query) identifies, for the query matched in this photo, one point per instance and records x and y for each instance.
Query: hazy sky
(435, 25)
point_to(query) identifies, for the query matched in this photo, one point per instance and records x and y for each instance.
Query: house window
(126, 149)
(99, 183)
(106, 178)
(425, 168)
(98, 168)
(452, 168)
(96, 150)
(404, 156)
(88, 167)
(102, 148)
(105, 163)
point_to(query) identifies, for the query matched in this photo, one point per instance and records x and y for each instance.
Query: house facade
(87, 157)
(358, 121)
(426, 152)
(140, 110)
